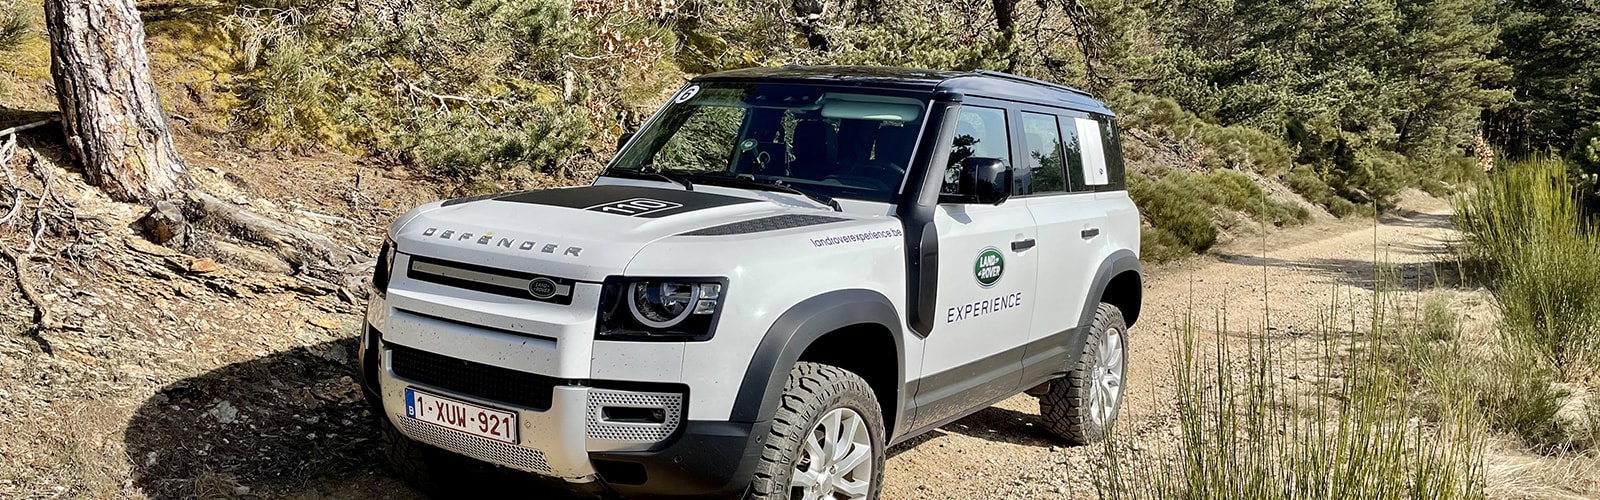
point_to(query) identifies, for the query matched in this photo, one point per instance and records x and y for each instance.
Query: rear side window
(1044, 170)
(1093, 149)
(1112, 145)
(980, 133)
(1073, 150)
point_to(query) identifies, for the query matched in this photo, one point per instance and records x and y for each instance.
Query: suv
(786, 271)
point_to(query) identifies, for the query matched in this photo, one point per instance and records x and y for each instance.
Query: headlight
(383, 267)
(659, 309)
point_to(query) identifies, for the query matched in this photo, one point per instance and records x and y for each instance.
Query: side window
(705, 143)
(1094, 157)
(1115, 169)
(1044, 170)
(980, 133)
(1073, 151)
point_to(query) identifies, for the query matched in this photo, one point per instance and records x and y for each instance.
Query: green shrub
(13, 28)
(1526, 224)
(1173, 209)
(463, 89)
(1238, 147)
(1158, 245)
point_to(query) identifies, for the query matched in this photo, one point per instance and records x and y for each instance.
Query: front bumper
(571, 442)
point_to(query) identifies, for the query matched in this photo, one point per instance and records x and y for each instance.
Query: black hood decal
(631, 201)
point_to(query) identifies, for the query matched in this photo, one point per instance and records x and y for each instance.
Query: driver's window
(705, 141)
(980, 133)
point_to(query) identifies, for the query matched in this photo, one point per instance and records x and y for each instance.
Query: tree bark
(111, 114)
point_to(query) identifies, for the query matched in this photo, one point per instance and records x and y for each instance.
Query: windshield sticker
(982, 307)
(827, 241)
(989, 267)
(687, 94)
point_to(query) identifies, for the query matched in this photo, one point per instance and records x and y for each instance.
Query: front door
(987, 275)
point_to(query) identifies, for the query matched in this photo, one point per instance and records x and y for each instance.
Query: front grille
(476, 447)
(506, 282)
(478, 380)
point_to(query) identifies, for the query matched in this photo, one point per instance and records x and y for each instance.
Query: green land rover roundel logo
(989, 266)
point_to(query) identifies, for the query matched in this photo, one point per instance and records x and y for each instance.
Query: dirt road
(1002, 452)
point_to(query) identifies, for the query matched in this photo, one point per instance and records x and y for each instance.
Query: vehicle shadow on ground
(292, 424)
(1001, 425)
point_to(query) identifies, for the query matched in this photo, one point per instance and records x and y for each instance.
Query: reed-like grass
(1541, 255)
(1343, 428)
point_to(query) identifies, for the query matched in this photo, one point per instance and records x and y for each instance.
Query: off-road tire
(812, 391)
(423, 467)
(1065, 406)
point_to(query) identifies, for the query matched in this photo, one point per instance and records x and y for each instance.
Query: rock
(203, 265)
(325, 323)
(165, 224)
(224, 412)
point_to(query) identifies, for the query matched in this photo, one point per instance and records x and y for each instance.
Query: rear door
(1071, 225)
(986, 285)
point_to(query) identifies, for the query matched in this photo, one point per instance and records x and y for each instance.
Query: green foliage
(1543, 254)
(1176, 216)
(13, 28)
(1553, 49)
(1180, 207)
(1510, 391)
(464, 89)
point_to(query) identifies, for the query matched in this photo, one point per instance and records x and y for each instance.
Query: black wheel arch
(842, 312)
(1118, 281)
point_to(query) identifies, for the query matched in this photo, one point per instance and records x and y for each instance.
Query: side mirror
(986, 180)
(623, 139)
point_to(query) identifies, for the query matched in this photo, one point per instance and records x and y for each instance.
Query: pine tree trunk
(110, 111)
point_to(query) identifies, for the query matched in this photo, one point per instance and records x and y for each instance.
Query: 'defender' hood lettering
(584, 233)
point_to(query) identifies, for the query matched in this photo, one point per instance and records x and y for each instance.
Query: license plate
(460, 416)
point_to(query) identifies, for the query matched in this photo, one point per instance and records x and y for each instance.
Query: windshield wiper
(749, 181)
(662, 174)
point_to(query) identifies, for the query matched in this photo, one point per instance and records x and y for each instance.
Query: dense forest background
(1343, 102)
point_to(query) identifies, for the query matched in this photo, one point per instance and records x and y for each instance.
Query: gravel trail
(1003, 452)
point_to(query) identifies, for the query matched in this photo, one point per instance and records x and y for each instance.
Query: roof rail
(1035, 81)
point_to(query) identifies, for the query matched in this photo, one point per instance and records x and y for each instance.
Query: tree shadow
(292, 424)
(1364, 274)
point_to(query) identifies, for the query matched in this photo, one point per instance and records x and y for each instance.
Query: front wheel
(827, 440)
(1081, 406)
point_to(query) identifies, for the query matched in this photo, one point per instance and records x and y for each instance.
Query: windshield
(841, 142)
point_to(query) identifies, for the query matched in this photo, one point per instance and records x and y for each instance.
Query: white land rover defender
(784, 272)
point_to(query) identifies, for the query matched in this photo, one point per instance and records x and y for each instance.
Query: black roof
(983, 83)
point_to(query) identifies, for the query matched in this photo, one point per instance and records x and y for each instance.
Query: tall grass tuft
(1528, 228)
(1345, 430)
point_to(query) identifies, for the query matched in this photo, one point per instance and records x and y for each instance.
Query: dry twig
(41, 314)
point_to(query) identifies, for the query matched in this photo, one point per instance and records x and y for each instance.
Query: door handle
(1090, 233)
(1020, 245)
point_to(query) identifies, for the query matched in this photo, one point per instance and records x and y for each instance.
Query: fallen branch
(305, 250)
(6, 150)
(41, 314)
(26, 126)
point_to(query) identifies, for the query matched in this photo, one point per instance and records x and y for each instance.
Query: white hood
(583, 233)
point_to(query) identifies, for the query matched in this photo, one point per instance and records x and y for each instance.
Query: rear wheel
(827, 440)
(1082, 406)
